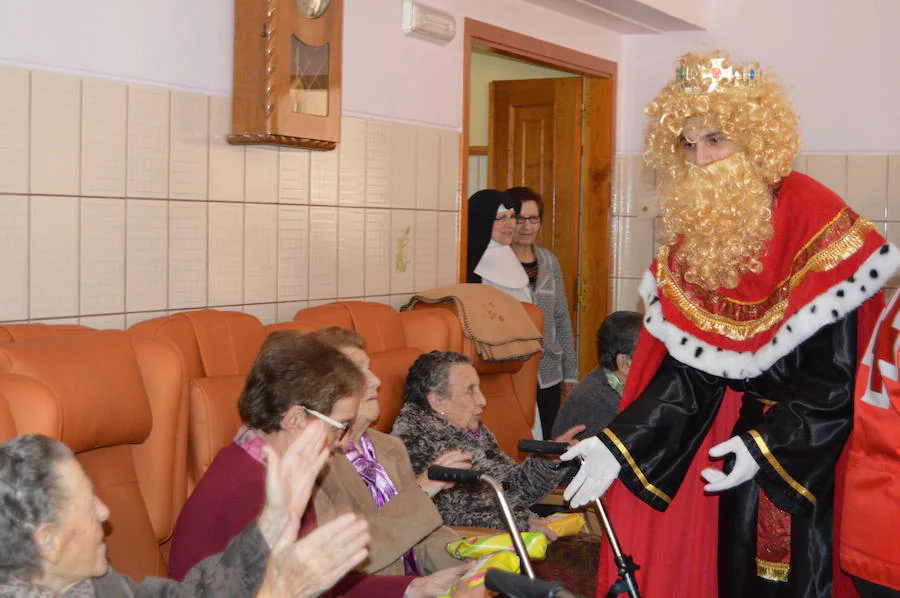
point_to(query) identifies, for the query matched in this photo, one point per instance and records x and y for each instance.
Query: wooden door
(535, 141)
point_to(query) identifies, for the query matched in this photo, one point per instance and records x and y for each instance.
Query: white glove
(599, 469)
(745, 466)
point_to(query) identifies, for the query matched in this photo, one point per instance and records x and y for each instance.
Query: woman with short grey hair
(52, 540)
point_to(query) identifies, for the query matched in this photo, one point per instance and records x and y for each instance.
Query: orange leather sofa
(119, 402)
(24, 332)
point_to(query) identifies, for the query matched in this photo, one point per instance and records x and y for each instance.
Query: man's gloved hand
(598, 470)
(745, 467)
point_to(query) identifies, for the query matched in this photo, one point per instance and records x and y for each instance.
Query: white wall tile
(15, 101)
(867, 182)
(635, 246)
(799, 164)
(187, 254)
(105, 322)
(293, 253)
(226, 254)
(403, 251)
(627, 296)
(830, 170)
(323, 175)
(102, 279)
(448, 171)
(147, 252)
(226, 162)
(378, 252)
(403, 166)
(53, 264)
(58, 321)
(148, 142)
(55, 133)
(293, 179)
(323, 243)
(893, 193)
(428, 152)
(448, 248)
(133, 318)
(104, 131)
(267, 313)
(14, 214)
(379, 150)
(426, 254)
(261, 175)
(260, 253)
(474, 174)
(383, 299)
(284, 312)
(189, 146)
(352, 158)
(351, 252)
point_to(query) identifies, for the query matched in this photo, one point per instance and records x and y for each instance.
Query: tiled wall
(870, 184)
(121, 202)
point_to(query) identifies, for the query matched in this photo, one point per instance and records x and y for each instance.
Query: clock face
(312, 8)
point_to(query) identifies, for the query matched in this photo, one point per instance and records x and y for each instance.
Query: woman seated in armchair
(372, 475)
(442, 407)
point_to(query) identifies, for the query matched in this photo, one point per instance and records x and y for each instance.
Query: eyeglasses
(504, 219)
(528, 219)
(344, 428)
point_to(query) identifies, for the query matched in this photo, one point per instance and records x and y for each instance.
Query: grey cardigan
(559, 362)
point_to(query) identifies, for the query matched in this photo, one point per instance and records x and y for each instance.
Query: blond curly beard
(717, 219)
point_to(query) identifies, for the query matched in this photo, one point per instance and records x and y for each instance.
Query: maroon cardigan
(229, 496)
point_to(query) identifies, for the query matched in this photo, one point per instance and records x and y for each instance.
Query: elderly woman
(295, 380)
(559, 364)
(489, 258)
(374, 478)
(51, 543)
(442, 406)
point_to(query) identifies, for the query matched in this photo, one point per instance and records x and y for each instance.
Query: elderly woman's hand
(290, 479)
(540, 524)
(452, 458)
(437, 583)
(308, 567)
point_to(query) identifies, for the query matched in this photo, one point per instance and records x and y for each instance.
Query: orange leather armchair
(24, 332)
(393, 342)
(119, 403)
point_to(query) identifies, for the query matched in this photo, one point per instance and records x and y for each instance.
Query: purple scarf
(382, 489)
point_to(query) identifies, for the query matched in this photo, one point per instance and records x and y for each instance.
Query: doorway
(550, 127)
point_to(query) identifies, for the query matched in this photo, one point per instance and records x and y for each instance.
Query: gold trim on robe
(634, 468)
(789, 480)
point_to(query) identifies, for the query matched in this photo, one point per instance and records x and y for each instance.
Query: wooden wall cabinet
(287, 73)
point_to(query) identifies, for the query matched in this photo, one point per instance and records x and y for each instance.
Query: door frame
(598, 150)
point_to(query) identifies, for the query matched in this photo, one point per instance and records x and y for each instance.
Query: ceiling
(622, 16)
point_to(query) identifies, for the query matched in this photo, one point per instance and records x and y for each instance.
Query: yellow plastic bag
(480, 546)
(566, 524)
(505, 561)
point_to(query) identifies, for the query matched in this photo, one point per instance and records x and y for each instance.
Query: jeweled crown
(700, 74)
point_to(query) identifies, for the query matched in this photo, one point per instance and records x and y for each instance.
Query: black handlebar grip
(520, 586)
(453, 474)
(543, 447)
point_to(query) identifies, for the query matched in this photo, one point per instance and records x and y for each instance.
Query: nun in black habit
(490, 258)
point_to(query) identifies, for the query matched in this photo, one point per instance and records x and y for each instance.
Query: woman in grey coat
(442, 407)
(51, 533)
(559, 364)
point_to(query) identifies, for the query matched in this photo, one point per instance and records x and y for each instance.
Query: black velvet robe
(796, 441)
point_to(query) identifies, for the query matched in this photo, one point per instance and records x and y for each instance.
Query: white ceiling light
(428, 23)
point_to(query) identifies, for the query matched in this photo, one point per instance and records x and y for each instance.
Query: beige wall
(122, 202)
(869, 183)
(486, 68)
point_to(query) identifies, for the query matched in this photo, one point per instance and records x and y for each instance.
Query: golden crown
(697, 74)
